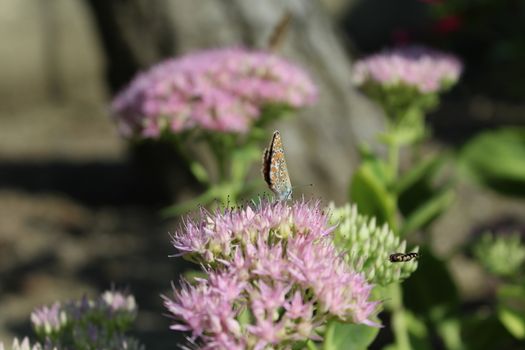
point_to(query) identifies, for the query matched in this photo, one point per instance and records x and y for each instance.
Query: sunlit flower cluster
(422, 68)
(221, 90)
(273, 277)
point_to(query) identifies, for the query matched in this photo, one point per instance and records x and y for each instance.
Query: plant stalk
(399, 326)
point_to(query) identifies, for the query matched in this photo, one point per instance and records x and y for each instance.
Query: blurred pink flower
(118, 301)
(49, 319)
(275, 260)
(425, 69)
(218, 90)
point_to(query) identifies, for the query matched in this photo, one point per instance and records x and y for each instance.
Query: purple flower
(424, 69)
(271, 264)
(215, 235)
(48, 319)
(217, 90)
(118, 301)
(102, 321)
(207, 307)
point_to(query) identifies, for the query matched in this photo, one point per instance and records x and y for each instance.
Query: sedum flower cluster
(406, 82)
(224, 90)
(418, 67)
(274, 277)
(502, 255)
(88, 324)
(367, 246)
(25, 345)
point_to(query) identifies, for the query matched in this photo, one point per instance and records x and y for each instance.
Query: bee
(402, 257)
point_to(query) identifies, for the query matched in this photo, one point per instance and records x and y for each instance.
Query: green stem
(310, 345)
(196, 168)
(399, 326)
(186, 206)
(218, 149)
(393, 159)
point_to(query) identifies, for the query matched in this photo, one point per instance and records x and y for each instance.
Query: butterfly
(401, 257)
(274, 169)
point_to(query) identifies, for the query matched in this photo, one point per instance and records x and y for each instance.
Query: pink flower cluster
(425, 69)
(49, 319)
(218, 90)
(100, 322)
(273, 264)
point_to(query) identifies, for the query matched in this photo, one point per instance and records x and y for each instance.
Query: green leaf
(450, 331)
(417, 186)
(417, 332)
(496, 159)
(348, 336)
(422, 173)
(369, 190)
(242, 159)
(513, 321)
(428, 212)
(511, 309)
(310, 345)
(199, 172)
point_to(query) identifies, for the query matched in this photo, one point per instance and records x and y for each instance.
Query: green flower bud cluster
(501, 255)
(368, 246)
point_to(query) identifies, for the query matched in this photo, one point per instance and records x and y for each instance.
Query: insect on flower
(402, 257)
(274, 169)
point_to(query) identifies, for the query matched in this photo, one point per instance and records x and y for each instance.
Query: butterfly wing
(279, 180)
(266, 166)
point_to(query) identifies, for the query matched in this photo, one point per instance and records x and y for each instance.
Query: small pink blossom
(220, 90)
(49, 319)
(118, 301)
(425, 69)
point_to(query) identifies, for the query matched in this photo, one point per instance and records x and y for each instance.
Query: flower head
(424, 69)
(367, 246)
(118, 301)
(48, 319)
(503, 255)
(273, 264)
(221, 90)
(84, 324)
